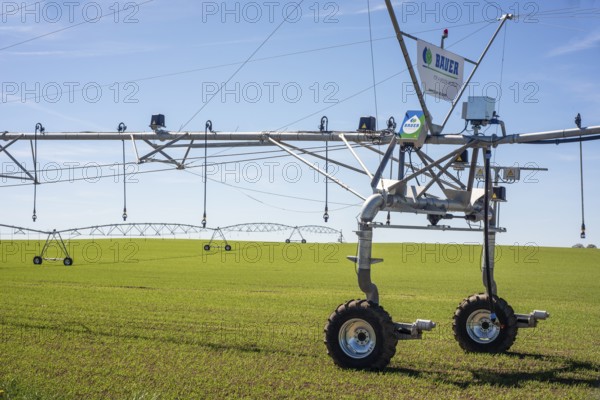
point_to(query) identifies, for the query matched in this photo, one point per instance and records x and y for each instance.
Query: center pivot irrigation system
(359, 333)
(150, 229)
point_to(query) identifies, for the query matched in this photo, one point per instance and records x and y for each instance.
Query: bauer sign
(441, 71)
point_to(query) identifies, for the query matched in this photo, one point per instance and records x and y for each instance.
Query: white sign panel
(441, 71)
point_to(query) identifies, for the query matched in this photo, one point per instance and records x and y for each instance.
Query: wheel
(303, 240)
(207, 247)
(360, 334)
(287, 240)
(37, 260)
(227, 247)
(68, 261)
(474, 329)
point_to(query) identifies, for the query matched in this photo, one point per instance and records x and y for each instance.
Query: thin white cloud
(89, 125)
(16, 29)
(379, 7)
(591, 41)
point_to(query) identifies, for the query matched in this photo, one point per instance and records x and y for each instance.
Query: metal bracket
(530, 320)
(407, 331)
(354, 259)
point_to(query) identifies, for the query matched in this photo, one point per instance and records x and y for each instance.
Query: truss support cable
(324, 128)
(207, 127)
(581, 178)
(40, 128)
(373, 63)
(326, 215)
(124, 185)
(501, 77)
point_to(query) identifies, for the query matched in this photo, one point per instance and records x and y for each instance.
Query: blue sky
(168, 56)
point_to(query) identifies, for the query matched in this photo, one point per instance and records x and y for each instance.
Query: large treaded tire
(475, 333)
(360, 334)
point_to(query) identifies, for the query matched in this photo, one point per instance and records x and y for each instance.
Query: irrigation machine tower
(360, 333)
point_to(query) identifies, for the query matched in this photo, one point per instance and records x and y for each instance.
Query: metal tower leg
(365, 243)
(492, 252)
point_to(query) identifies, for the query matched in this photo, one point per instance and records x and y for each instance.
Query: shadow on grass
(549, 369)
(222, 338)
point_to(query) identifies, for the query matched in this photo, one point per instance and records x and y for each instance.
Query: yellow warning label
(494, 196)
(479, 173)
(511, 174)
(364, 126)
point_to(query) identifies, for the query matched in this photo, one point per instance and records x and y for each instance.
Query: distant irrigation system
(151, 229)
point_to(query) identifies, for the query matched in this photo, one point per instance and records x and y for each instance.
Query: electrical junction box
(367, 124)
(414, 128)
(499, 193)
(157, 122)
(462, 157)
(461, 160)
(479, 109)
(511, 174)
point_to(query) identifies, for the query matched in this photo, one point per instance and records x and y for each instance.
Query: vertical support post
(401, 162)
(489, 243)
(472, 169)
(365, 243)
(491, 250)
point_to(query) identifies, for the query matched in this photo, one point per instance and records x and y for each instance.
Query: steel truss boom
(382, 137)
(304, 136)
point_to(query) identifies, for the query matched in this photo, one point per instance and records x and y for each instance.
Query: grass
(161, 319)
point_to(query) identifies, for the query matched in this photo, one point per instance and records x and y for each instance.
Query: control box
(479, 109)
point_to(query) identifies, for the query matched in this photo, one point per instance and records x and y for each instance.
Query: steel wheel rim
(357, 338)
(480, 327)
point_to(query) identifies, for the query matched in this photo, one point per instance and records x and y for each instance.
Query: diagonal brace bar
(159, 149)
(333, 179)
(386, 158)
(430, 166)
(168, 157)
(356, 156)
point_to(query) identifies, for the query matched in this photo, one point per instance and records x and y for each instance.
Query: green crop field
(162, 319)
